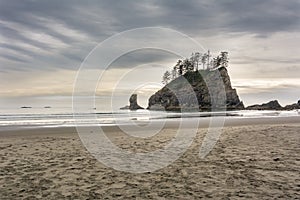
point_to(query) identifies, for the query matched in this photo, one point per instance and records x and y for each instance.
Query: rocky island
(165, 99)
(274, 105)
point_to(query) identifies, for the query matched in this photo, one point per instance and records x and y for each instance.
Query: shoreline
(10, 131)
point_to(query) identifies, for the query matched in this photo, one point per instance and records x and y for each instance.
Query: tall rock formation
(133, 105)
(193, 92)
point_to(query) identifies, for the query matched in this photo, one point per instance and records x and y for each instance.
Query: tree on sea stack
(194, 60)
(174, 72)
(187, 65)
(204, 60)
(166, 77)
(179, 67)
(208, 55)
(197, 56)
(191, 64)
(224, 59)
(220, 61)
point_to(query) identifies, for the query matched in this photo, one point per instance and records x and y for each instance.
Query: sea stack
(194, 93)
(133, 105)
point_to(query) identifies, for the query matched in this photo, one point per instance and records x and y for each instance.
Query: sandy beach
(251, 160)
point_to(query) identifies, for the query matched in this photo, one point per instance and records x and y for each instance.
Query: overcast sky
(43, 43)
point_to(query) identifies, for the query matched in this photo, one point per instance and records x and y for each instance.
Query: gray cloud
(256, 60)
(144, 57)
(262, 16)
(67, 30)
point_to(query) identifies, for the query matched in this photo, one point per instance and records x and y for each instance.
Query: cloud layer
(59, 34)
(54, 36)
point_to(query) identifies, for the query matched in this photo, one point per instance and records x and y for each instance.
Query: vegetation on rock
(192, 64)
(191, 91)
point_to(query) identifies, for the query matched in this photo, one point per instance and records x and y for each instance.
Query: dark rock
(276, 159)
(157, 107)
(124, 108)
(26, 107)
(292, 106)
(272, 105)
(190, 92)
(133, 105)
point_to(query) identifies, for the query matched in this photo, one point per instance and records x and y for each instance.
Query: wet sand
(251, 160)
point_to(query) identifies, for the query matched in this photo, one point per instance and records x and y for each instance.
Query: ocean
(16, 118)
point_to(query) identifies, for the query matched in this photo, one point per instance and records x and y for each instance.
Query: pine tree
(194, 60)
(187, 66)
(166, 77)
(179, 67)
(224, 59)
(174, 72)
(204, 60)
(197, 56)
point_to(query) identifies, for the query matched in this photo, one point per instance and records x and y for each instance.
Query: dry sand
(248, 162)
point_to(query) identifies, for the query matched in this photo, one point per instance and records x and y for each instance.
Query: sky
(44, 43)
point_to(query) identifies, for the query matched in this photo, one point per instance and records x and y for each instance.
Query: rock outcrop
(125, 108)
(292, 106)
(272, 105)
(26, 107)
(191, 91)
(133, 105)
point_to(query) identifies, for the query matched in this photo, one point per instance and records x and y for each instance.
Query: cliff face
(193, 92)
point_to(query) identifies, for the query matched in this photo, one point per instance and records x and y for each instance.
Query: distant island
(274, 105)
(25, 107)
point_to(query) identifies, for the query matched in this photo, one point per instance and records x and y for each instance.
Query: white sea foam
(60, 118)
